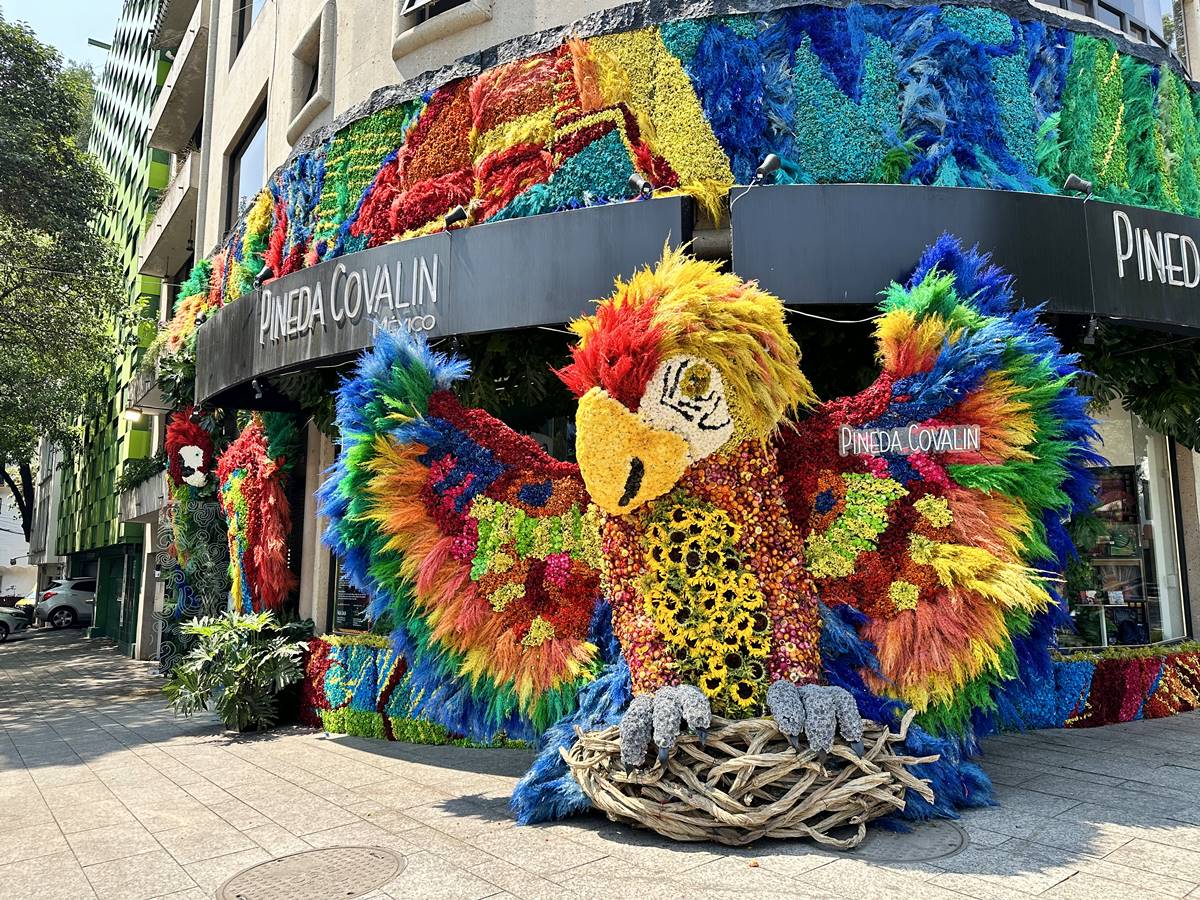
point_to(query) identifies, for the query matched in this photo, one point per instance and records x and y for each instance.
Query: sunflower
(743, 693)
(743, 626)
(758, 645)
(712, 685)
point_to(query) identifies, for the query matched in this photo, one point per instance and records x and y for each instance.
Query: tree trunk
(22, 493)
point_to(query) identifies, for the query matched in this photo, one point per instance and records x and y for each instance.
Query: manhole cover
(932, 840)
(338, 872)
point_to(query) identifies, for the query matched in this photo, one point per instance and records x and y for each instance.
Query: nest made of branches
(748, 783)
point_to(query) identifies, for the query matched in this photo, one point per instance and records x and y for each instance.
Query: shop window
(247, 170)
(244, 14)
(1126, 588)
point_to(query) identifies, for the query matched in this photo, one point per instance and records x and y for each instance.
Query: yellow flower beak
(624, 461)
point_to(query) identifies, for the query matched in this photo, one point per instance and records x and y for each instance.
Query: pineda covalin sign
(408, 300)
(1152, 254)
(906, 441)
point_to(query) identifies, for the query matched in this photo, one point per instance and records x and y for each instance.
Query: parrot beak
(624, 461)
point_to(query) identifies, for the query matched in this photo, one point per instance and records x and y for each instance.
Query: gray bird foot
(817, 711)
(661, 716)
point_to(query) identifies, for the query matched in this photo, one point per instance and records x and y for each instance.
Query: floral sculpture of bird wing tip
(945, 545)
(480, 547)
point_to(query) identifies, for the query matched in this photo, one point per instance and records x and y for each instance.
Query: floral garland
(252, 474)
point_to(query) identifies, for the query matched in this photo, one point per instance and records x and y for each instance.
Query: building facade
(309, 134)
(91, 537)
(43, 536)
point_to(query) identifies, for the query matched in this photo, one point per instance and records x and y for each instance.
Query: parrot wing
(951, 552)
(482, 549)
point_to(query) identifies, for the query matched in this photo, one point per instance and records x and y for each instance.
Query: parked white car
(12, 621)
(67, 602)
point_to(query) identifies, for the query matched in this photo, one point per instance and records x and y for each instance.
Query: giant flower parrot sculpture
(714, 552)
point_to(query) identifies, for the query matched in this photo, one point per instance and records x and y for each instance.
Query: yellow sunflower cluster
(706, 604)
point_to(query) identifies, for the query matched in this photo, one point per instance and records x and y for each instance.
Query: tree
(60, 283)
(1154, 374)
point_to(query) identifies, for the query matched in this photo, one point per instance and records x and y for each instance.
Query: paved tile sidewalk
(103, 793)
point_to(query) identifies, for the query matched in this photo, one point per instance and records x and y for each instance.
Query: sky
(66, 25)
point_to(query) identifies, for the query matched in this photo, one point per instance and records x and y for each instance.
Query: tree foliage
(1154, 374)
(60, 282)
(48, 182)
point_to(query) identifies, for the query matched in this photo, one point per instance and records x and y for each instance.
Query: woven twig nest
(748, 783)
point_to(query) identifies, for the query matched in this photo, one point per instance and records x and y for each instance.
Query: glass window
(1126, 588)
(247, 169)
(245, 12)
(1109, 16)
(418, 11)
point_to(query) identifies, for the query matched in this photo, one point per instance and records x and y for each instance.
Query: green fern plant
(237, 668)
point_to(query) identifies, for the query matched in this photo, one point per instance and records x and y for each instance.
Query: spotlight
(456, 215)
(1078, 185)
(256, 386)
(264, 274)
(640, 185)
(767, 169)
(199, 319)
(196, 416)
(1090, 337)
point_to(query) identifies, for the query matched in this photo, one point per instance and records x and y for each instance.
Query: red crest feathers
(619, 354)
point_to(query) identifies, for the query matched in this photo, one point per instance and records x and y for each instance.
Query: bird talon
(663, 753)
(858, 748)
(701, 736)
(794, 740)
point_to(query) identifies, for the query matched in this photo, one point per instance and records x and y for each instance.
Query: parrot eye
(687, 396)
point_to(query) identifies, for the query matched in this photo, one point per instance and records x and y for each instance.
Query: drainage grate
(925, 843)
(332, 874)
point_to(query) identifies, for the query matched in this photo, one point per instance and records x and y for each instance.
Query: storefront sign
(407, 300)
(836, 244)
(542, 270)
(1165, 257)
(906, 441)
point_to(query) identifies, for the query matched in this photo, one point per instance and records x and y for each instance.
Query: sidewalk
(103, 793)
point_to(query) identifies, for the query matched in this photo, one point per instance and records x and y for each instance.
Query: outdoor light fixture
(640, 185)
(256, 386)
(132, 415)
(1078, 185)
(199, 319)
(263, 274)
(456, 215)
(1090, 337)
(196, 416)
(767, 169)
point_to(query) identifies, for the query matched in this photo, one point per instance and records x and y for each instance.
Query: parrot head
(681, 362)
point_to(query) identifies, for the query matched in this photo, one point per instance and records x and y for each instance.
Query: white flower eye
(687, 396)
